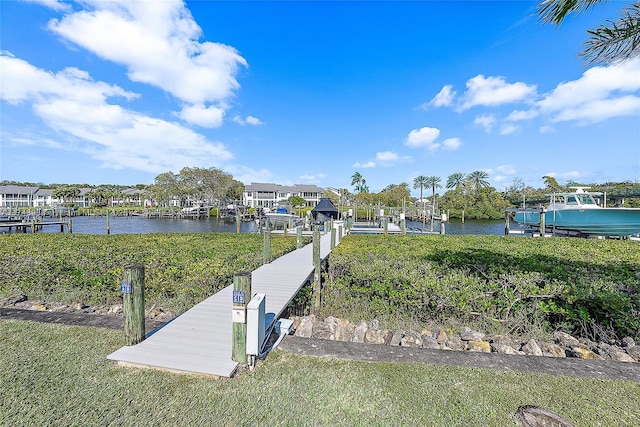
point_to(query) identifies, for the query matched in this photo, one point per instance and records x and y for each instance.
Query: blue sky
(117, 92)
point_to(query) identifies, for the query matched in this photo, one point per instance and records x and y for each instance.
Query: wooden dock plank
(199, 341)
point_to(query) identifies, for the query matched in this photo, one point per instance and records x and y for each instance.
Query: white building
(259, 194)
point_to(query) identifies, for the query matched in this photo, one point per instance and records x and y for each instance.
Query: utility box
(255, 324)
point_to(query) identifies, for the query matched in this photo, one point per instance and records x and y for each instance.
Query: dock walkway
(200, 340)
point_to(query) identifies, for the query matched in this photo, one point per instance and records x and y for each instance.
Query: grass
(59, 376)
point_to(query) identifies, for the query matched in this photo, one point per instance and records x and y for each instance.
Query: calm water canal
(140, 225)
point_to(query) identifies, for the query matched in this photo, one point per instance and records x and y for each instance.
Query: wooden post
(266, 254)
(237, 222)
(132, 288)
(403, 226)
(299, 237)
(326, 227)
(285, 229)
(108, 224)
(241, 297)
(333, 238)
(70, 226)
(316, 264)
(463, 216)
(506, 223)
(542, 224)
(442, 228)
(340, 231)
(385, 221)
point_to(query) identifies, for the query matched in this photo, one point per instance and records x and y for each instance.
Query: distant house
(267, 195)
(15, 196)
(44, 197)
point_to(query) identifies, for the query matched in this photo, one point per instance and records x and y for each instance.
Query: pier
(200, 340)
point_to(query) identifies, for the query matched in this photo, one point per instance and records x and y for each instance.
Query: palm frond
(555, 11)
(614, 41)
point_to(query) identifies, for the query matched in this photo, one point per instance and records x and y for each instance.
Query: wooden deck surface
(199, 341)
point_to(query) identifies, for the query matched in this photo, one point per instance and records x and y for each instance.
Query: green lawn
(59, 375)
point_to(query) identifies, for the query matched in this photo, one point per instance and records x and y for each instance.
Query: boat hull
(600, 222)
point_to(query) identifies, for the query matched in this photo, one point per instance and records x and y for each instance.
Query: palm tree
(456, 180)
(356, 180)
(433, 182)
(478, 179)
(617, 41)
(420, 182)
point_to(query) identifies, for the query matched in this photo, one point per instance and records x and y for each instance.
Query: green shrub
(585, 285)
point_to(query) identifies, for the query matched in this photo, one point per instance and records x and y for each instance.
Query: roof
(325, 205)
(296, 188)
(17, 189)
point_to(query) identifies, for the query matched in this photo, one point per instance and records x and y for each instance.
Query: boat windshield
(585, 199)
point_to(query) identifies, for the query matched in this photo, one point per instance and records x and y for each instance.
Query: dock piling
(241, 297)
(132, 288)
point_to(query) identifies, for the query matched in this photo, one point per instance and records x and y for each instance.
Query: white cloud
(364, 165)
(158, 44)
(423, 137)
(601, 93)
(506, 169)
(56, 5)
(599, 110)
(387, 156)
(78, 108)
(493, 91)
(208, 117)
(486, 121)
(547, 129)
(249, 120)
(451, 144)
(444, 98)
(518, 115)
(508, 129)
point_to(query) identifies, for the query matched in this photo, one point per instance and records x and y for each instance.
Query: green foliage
(588, 286)
(181, 269)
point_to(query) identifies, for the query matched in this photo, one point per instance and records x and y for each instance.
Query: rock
(296, 321)
(565, 340)
(397, 336)
(583, 353)
(621, 356)
(552, 350)
(587, 343)
(430, 342)
(455, 343)
(323, 330)
(531, 348)
(442, 337)
(634, 352)
(115, 309)
(360, 331)
(478, 346)
(306, 327)
(375, 324)
(375, 336)
(411, 339)
(627, 342)
(13, 300)
(344, 330)
(504, 349)
(469, 335)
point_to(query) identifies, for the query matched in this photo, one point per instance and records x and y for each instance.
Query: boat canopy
(324, 210)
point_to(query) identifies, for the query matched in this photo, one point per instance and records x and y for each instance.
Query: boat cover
(325, 209)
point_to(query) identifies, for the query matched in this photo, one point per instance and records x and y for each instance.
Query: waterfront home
(267, 195)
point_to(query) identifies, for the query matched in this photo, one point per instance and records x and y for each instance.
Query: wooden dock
(200, 340)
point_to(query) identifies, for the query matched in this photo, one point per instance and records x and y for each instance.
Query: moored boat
(578, 211)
